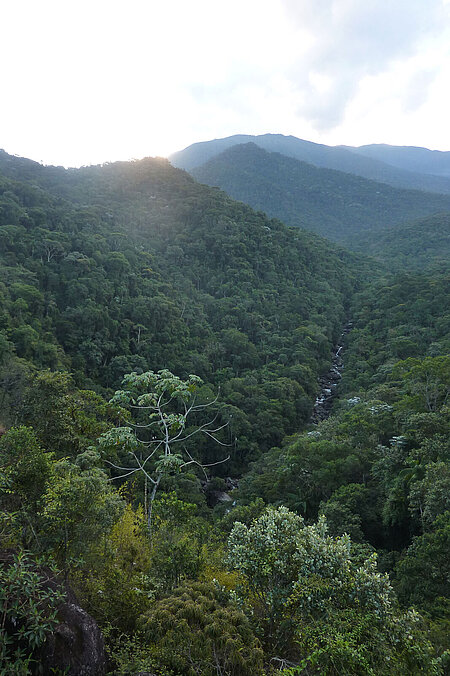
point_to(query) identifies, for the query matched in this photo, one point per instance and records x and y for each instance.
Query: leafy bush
(198, 630)
(28, 608)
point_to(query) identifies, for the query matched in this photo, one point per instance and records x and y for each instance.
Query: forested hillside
(160, 350)
(156, 271)
(421, 244)
(340, 206)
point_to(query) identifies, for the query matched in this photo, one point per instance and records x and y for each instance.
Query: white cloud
(352, 40)
(97, 80)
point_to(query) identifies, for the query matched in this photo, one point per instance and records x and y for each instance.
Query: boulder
(76, 646)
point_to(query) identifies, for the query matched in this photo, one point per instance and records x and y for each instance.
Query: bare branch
(122, 476)
(200, 407)
(221, 443)
(136, 425)
(219, 428)
(201, 465)
(150, 455)
(199, 429)
(132, 470)
(166, 402)
(195, 462)
(219, 462)
(143, 408)
(124, 469)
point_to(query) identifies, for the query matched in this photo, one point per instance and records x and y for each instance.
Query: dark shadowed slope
(337, 205)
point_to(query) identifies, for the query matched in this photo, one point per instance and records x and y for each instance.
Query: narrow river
(329, 382)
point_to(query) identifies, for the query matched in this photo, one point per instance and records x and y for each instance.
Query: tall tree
(161, 404)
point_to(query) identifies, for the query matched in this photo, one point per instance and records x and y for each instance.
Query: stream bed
(330, 380)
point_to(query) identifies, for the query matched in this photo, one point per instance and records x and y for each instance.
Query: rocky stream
(321, 410)
(328, 383)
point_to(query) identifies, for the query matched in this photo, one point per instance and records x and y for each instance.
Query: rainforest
(224, 425)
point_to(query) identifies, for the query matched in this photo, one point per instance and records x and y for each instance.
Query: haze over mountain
(411, 158)
(406, 167)
(335, 204)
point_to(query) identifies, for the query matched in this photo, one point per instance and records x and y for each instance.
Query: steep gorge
(329, 382)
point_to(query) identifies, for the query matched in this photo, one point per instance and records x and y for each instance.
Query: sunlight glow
(89, 82)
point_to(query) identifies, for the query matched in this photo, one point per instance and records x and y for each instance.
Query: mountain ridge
(411, 158)
(342, 158)
(334, 204)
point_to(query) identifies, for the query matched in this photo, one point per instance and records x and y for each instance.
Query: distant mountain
(419, 160)
(343, 158)
(332, 203)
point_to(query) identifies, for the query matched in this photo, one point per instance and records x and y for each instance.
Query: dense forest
(335, 204)
(164, 494)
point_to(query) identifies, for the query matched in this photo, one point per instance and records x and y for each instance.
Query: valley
(224, 425)
(329, 382)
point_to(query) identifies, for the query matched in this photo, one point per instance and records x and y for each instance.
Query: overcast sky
(90, 81)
